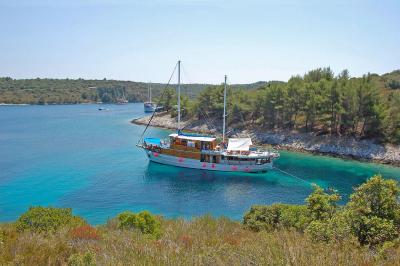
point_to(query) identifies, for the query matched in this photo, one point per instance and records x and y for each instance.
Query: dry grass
(202, 241)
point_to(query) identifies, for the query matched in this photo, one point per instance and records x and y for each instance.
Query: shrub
(47, 219)
(335, 229)
(276, 216)
(87, 259)
(85, 232)
(322, 205)
(374, 211)
(373, 230)
(143, 221)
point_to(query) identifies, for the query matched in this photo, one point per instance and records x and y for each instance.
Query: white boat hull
(149, 107)
(196, 164)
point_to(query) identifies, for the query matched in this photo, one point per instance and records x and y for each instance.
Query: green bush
(87, 259)
(335, 229)
(372, 215)
(276, 216)
(47, 219)
(143, 221)
(374, 211)
(322, 205)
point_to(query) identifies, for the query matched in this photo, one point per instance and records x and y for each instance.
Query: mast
(224, 115)
(179, 94)
(150, 92)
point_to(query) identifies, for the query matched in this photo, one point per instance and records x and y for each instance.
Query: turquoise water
(77, 156)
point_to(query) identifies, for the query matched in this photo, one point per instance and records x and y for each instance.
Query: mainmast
(224, 115)
(179, 94)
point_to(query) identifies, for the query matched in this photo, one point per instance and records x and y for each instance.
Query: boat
(197, 151)
(150, 107)
(122, 100)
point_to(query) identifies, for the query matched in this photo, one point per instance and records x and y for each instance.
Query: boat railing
(211, 152)
(263, 149)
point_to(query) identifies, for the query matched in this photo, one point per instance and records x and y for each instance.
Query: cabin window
(202, 158)
(191, 144)
(214, 159)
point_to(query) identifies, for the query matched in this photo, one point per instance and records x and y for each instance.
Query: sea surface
(79, 157)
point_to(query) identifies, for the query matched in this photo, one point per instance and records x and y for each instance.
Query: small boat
(205, 152)
(149, 107)
(123, 99)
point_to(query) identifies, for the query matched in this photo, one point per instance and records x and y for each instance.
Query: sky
(246, 40)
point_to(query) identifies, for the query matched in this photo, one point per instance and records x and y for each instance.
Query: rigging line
(187, 79)
(289, 174)
(157, 104)
(209, 122)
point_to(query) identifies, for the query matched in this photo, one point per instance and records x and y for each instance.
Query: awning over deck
(239, 144)
(153, 141)
(192, 137)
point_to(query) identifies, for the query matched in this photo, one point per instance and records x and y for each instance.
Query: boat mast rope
(294, 176)
(157, 104)
(209, 122)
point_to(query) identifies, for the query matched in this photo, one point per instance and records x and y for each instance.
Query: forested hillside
(53, 91)
(319, 101)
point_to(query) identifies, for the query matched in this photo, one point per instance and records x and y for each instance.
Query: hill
(67, 91)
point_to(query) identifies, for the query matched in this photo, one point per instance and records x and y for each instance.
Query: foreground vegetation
(364, 232)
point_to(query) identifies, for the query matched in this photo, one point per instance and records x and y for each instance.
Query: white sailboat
(149, 106)
(204, 152)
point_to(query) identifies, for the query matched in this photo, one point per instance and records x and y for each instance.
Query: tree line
(72, 91)
(318, 101)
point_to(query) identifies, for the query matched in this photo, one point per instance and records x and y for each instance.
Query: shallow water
(77, 156)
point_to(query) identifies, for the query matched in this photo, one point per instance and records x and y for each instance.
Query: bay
(79, 157)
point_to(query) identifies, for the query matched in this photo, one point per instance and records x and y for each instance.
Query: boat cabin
(192, 142)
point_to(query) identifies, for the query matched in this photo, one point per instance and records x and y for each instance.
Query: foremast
(179, 95)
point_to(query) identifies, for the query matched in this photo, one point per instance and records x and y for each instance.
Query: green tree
(391, 119)
(47, 219)
(143, 221)
(374, 211)
(322, 205)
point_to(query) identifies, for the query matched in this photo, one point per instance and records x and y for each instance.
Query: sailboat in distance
(149, 106)
(205, 152)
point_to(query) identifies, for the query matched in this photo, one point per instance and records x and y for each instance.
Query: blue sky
(247, 40)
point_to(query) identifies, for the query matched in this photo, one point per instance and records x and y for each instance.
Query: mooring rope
(294, 176)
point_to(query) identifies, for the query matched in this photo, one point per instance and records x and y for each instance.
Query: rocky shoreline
(344, 147)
